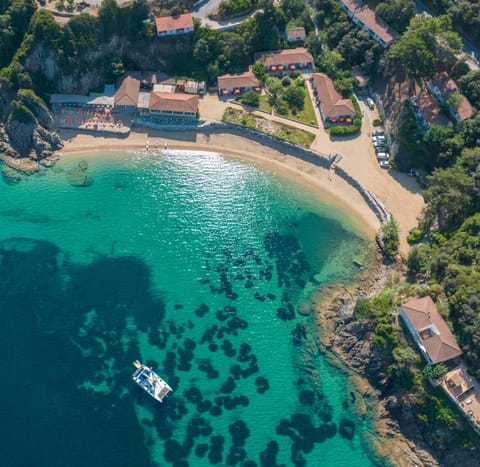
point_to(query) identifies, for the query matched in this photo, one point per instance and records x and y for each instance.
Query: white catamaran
(147, 379)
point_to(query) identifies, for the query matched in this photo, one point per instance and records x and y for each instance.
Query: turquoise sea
(196, 264)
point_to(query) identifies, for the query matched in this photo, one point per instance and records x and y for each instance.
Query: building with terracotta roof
(173, 105)
(366, 18)
(428, 328)
(237, 83)
(333, 107)
(126, 95)
(284, 61)
(443, 87)
(361, 79)
(174, 25)
(295, 34)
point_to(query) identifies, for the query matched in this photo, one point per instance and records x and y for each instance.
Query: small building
(168, 105)
(366, 18)
(443, 87)
(174, 25)
(126, 95)
(428, 328)
(237, 83)
(333, 107)
(361, 79)
(295, 34)
(285, 61)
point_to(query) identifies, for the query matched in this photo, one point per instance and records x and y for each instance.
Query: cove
(198, 265)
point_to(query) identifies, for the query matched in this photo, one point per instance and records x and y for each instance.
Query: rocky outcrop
(27, 135)
(401, 436)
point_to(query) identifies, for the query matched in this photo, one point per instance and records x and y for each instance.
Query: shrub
(251, 98)
(286, 81)
(343, 130)
(300, 82)
(21, 113)
(390, 239)
(415, 235)
(377, 122)
(362, 308)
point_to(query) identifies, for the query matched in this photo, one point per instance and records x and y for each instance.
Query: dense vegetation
(229, 8)
(464, 13)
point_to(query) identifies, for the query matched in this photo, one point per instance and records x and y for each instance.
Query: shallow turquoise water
(193, 263)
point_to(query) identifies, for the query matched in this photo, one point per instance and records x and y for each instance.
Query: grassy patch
(307, 115)
(265, 103)
(280, 130)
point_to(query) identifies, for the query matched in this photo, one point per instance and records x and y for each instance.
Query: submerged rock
(78, 176)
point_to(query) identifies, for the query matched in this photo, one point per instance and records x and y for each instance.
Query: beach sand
(404, 202)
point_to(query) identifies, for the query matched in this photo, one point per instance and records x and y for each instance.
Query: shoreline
(332, 189)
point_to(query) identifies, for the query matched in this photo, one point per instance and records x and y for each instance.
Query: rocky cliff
(404, 438)
(27, 134)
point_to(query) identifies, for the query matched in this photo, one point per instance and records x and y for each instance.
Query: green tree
(251, 98)
(397, 13)
(295, 97)
(109, 15)
(391, 239)
(258, 69)
(428, 45)
(435, 371)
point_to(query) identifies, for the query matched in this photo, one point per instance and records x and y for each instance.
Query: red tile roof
(332, 103)
(294, 34)
(371, 20)
(447, 87)
(172, 23)
(440, 343)
(285, 57)
(127, 91)
(173, 102)
(238, 80)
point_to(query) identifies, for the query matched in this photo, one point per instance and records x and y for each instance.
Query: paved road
(202, 11)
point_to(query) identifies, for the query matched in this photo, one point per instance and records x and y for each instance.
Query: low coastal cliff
(402, 439)
(27, 133)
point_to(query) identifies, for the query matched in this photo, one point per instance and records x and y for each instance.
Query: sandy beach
(333, 189)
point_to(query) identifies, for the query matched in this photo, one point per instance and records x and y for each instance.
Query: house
(126, 95)
(183, 106)
(333, 107)
(426, 109)
(366, 18)
(443, 87)
(174, 25)
(237, 83)
(284, 61)
(361, 79)
(429, 330)
(295, 34)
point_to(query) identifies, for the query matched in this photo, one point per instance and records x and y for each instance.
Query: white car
(370, 103)
(384, 164)
(378, 138)
(383, 156)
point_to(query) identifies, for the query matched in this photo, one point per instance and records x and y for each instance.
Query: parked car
(370, 103)
(378, 133)
(380, 148)
(384, 165)
(378, 138)
(378, 144)
(383, 156)
(411, 173)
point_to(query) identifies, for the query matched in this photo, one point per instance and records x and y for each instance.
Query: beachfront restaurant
(286, 61)
(235, 84)
(173, 106)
